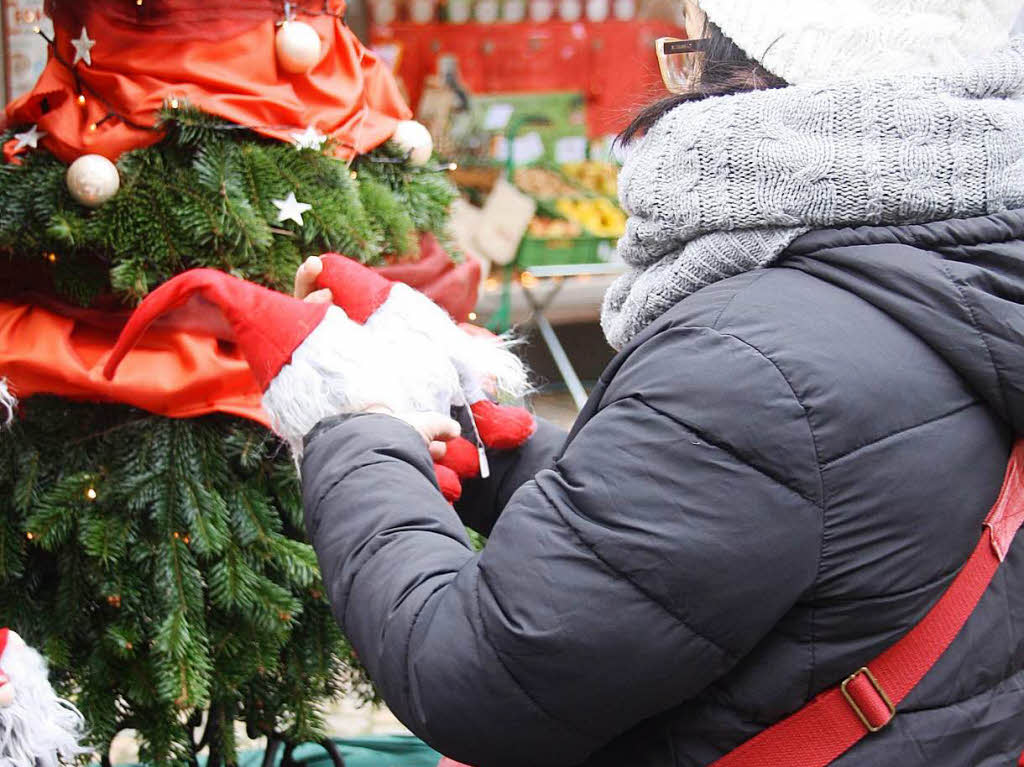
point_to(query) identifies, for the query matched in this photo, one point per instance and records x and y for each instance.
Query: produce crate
(550, 251)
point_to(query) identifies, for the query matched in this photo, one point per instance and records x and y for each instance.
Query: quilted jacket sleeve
(616, 584)
(483, 499)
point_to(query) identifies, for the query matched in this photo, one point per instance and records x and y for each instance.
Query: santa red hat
(213, 298)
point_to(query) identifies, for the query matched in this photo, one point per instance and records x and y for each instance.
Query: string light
(29, 535)
(472, 316)
(91, 493)
(453, 166)
(528, 280)
(114, 600)
(175, 103)
(81, 99)
(491, 284)
(92, 127)
(354, 175)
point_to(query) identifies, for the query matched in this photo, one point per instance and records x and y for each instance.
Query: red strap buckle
(868, 700)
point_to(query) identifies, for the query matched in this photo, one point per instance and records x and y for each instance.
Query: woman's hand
(305, 282)
(436, 429)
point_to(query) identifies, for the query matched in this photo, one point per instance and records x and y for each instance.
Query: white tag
(527, 149)
(485, 468)
(570, 149)
(497, 116)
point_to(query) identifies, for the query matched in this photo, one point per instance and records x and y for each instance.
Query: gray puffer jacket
(768, 487)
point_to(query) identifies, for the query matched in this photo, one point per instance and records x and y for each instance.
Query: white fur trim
(344, 367)
(480, 360)
(8, 403)
(805, 41)
(38, 728)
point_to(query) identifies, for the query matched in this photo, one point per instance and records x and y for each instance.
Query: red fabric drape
(183, 370)
(454, 287)
(218, 56)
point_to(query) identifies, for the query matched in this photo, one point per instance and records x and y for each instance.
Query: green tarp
(386, 751)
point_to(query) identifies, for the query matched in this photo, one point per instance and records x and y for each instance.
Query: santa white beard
(404, 358)
(480, 360)
(38, 729)
(7, 403)
(341, 367)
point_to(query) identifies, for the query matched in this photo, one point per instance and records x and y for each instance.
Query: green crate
(551, 251)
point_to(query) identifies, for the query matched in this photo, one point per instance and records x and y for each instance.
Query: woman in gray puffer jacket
(820, 377)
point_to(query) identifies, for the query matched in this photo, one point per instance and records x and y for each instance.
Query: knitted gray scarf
(723, 186)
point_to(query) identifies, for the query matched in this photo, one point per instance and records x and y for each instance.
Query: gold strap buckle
(881, 694)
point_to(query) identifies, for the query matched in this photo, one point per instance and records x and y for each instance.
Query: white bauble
(597, 10)
(414, 138)
(92, 179)
(541, 10)
(570, 10)
(486, 11)
(624, 10)
(298, 47)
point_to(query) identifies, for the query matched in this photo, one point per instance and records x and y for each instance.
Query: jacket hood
(958, 285)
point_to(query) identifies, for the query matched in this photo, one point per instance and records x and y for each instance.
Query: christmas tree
(151, 537)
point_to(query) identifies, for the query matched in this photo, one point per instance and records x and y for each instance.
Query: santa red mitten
(36, 725)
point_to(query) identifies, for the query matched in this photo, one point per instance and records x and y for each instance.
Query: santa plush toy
(37, 727)
(7, 403)
(379, 345)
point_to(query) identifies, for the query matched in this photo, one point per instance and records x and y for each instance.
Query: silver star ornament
(310, 138)
(29, 138)
(83, 45)
(291, 209)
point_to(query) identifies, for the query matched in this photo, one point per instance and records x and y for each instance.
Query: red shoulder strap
(838, 718)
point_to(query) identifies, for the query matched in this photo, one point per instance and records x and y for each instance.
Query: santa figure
(37, 727)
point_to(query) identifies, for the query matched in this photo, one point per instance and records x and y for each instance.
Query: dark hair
(726, 69)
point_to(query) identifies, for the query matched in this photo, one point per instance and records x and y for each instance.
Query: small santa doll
(7, 404)
(378, 345)
(37, 727)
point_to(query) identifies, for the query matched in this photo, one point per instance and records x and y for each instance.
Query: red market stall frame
(611, 62)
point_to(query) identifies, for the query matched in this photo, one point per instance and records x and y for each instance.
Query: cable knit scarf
(723, 186)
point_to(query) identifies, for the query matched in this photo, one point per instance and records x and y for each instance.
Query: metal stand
(539, 305)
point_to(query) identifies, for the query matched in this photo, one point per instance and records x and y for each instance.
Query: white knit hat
(806, 41)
